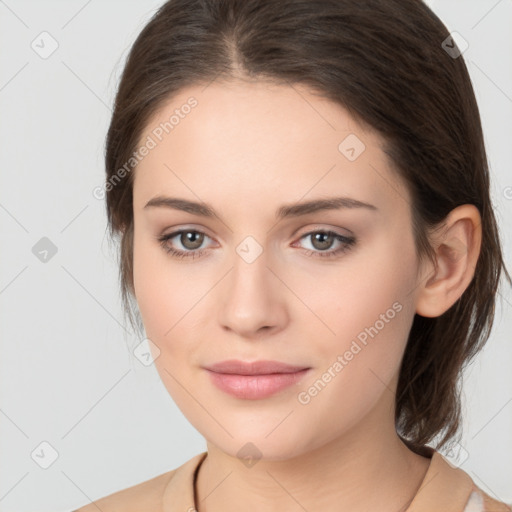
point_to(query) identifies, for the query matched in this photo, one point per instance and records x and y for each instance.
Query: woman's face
(260, 279)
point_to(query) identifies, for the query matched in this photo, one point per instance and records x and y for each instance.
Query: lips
(255, 380)
(234, 366)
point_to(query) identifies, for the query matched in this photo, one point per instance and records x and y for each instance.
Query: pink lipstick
(254, 380)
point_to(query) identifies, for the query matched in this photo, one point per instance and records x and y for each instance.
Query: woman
(301, 194)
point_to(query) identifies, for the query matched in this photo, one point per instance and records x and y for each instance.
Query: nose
(252, 299)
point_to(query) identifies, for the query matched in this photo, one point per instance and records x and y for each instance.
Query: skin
(247, 149)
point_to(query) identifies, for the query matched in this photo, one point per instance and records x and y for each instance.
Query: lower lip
(254, 387)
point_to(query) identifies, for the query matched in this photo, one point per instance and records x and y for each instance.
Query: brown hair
(385, 62)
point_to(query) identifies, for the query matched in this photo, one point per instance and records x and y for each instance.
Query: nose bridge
(251, 298)
(250, 266)
(249, 279)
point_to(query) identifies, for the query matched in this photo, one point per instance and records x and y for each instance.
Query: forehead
(260, 139)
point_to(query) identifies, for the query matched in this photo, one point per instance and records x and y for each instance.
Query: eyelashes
(345, 243)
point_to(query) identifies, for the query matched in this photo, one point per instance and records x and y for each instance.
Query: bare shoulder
(145, 496)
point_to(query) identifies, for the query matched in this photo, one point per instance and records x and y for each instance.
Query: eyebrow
(291, 210)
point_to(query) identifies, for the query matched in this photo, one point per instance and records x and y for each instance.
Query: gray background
(67, 375)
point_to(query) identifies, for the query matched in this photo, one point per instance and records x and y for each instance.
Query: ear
(457, 247)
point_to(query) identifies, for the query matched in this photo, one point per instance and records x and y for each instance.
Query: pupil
(194, 238)
(324, 240)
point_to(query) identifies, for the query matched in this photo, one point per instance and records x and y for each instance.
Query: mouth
(254, 380)
(235, 366)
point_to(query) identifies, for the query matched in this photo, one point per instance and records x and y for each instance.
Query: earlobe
(457, 248)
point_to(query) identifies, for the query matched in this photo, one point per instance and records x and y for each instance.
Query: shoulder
(165, 491)
(480, 501)
(145, 496)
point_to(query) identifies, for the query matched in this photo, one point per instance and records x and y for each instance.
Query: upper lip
(238, 367)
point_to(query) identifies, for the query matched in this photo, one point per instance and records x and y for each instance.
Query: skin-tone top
(445, 488)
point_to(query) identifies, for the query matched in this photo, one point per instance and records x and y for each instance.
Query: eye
(190, 239)
(322, 240)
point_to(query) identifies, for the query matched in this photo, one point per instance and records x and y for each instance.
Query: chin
(257, 444)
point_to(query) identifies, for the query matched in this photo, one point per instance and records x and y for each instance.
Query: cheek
(149, 292)
(159, 291)
(164, 297)
(370, 315)
(366, 309)
(170, 298)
